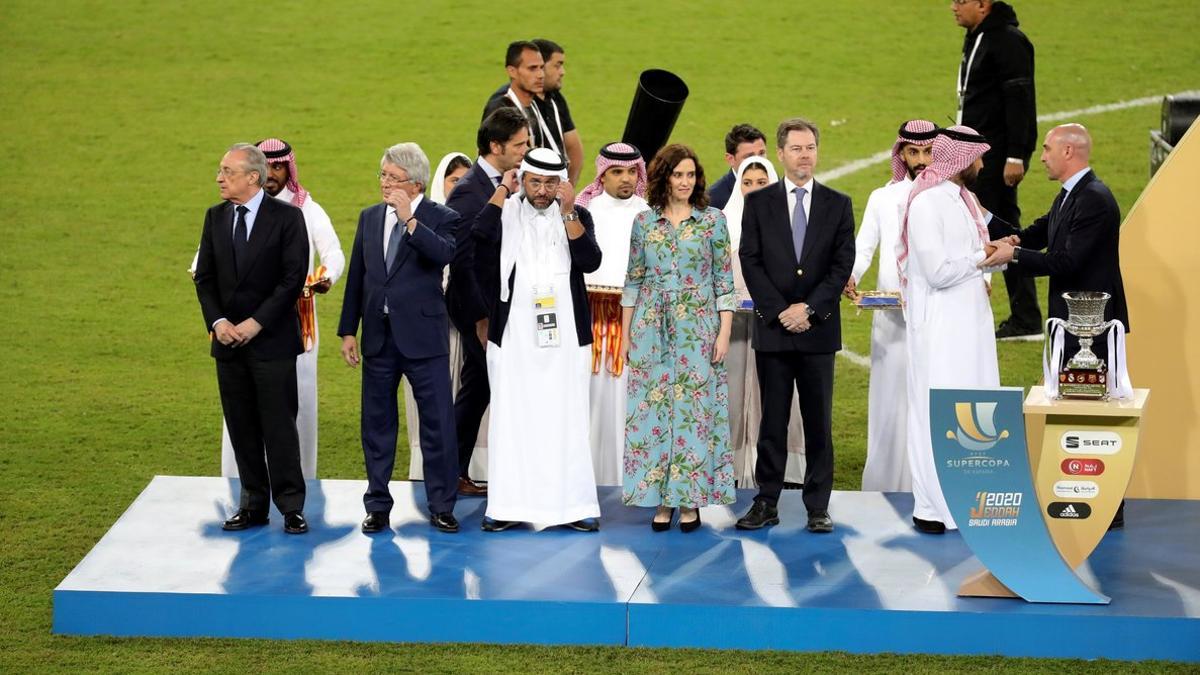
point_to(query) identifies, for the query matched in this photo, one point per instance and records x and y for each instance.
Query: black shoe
(493, 525)
(585, 525)
(929, 526)
(1118, 521)
(245, 518)
(469, 488)
(376, 521)
(663, 526)
(759, 516)
(1011, 331)
(820, 522)
(294, 523)
(444, 522)
(689, 525)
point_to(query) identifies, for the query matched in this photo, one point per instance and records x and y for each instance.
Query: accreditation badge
(546, 315)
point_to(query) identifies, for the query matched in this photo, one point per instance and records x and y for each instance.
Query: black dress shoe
(1011, 331)
(469, 488)
(294, 523)
(1118, 521)
(760, 515)
(689, 525)
(444, 522)
(493, 525)
(245, 518)
(929, 526)
(663, 525)
(376, 521)
(820, 522)
(585, 525)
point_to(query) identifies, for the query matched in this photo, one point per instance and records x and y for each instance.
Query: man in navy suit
(797, 252)
(502, 141)
(394, 288)
(252, 263)
(742, 141)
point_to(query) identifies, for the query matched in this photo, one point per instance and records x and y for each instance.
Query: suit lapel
(223, 244)
(816, 214)
(405, 249)
(264, 223)
(1066, 210)
(783, 219)
(373, 246)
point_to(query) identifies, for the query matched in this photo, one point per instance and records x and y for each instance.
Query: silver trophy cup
(1084, 375)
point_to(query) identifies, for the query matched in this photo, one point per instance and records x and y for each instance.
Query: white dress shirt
(791, 197)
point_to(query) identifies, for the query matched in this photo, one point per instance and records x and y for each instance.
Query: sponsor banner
(982, 463)
(1083, 466)
(1091, 442)
(1076, 489)
(1069, 510)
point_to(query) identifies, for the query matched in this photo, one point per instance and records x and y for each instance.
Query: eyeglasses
(960, 3)
(388, 178)
(536, 185)
(228, 172)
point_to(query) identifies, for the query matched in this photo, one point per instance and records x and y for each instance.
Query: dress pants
(1001, 200)
(430, 380)
(811, 375)
(474, 393)
(259, 400)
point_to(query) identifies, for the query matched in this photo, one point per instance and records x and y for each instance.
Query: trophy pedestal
(1084, 383)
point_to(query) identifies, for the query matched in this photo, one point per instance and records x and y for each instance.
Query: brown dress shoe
(469, 488)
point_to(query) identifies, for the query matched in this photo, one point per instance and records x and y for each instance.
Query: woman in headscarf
(452, 167)
(745, 408)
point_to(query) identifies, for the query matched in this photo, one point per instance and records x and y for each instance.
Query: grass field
(113, 116)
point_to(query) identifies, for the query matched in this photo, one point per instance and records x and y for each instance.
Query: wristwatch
(1016, 253)
(568, 217)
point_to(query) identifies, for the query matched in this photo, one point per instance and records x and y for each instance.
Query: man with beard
(614, 199)
(996, 97)
(536, 70)
(283, 183)
(943, 237)
(887, 460)
(539, 337)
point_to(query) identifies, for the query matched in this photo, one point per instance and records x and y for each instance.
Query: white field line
(881, 157)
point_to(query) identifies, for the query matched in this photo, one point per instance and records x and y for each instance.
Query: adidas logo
(1069, 512)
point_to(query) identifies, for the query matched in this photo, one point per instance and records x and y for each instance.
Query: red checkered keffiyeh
(614, 154)
(279, 151)
(954, 149)
(912, 132)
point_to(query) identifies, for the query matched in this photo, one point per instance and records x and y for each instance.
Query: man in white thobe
(951, 335)
(539, 349)
(614, 199)
(283, 183)
(887, 409)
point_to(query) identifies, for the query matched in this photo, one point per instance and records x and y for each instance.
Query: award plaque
(1085, 375)
(878, 300)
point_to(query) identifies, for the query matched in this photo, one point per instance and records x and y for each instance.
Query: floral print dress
(677, 417)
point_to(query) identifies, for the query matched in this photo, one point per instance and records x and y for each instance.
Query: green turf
(113, 116)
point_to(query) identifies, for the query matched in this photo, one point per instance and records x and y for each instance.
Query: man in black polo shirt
(550, 123)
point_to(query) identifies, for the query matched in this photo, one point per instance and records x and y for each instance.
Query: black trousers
(811, 376)
(1001, 200)
(474, 393)
(430, 380)
(259, 400)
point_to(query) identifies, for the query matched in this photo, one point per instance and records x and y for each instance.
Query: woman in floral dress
(677, 315)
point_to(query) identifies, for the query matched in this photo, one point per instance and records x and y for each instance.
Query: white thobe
(887, 408)
(614, 222)
(539, 460)
(323, 242)
(951, 336)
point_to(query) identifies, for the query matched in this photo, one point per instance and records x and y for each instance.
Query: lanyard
(964, 75)
(541, 122)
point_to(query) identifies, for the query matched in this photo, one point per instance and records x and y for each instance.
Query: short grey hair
(255, 160)
(412, 159)
(795, 124)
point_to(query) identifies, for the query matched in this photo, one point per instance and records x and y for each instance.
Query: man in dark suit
(394, 288)
(501, 141)
(997, 98)
(797, 252)
(1076, 244)
(742, 141)
(250, 269)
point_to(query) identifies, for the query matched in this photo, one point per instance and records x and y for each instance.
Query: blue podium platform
(167, 569)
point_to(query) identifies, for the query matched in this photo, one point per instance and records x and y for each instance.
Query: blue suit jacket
(413, 289)
(720, 191)
(466, 299)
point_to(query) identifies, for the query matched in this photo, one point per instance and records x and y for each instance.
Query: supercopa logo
(976, 433)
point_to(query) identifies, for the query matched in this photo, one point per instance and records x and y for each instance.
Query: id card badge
(546, 315)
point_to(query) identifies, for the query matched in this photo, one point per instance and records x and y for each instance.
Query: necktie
(239, 236)
(393, 246)
(1055, 210)
(496, 181)
(799, 223)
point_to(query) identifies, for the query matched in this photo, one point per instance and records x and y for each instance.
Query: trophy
(1085, 375)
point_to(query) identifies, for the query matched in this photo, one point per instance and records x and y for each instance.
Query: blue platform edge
(874, 586)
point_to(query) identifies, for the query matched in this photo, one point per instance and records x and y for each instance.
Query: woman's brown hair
(658, 188)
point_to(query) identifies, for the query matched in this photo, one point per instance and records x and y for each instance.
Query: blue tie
(799, 223)
(393, 247)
